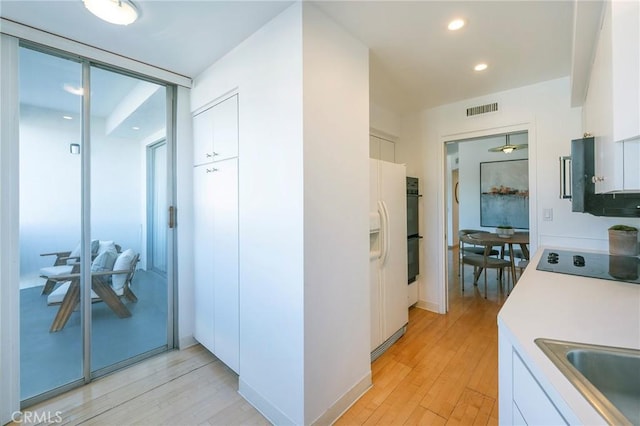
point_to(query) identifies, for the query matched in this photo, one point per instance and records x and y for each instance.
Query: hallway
(444, 370)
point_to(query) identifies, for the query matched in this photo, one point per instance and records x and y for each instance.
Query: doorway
(463, 165)
(89, 303)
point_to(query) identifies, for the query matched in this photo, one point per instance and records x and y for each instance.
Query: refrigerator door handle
(384, 227)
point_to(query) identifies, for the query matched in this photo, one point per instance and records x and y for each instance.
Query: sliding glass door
(134, 322)
(50, 218)
(97, 305)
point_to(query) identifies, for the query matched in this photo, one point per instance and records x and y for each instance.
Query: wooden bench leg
(48, 286)
(108, 296)
(69, 303)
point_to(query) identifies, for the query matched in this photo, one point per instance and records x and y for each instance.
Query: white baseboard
(428, 306)
(186, 342)
(344, 402)
(263, 405)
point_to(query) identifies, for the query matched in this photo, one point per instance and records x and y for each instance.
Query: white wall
(184, 220)
(336, 238)
(50, 187)
(266, 69)
(541, 109)
(303, 240)
(383, 119)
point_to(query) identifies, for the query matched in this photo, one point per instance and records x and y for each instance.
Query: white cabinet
(532, 403)
(611, 112)
(382, 149)
(216, 259)
(215, 132)
(522, 399)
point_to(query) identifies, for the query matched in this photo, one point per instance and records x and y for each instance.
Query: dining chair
(472, 248)
(484, 261)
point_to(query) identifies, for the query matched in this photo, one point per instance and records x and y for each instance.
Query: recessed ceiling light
(119, 12)
(456, 24)
(72, 89)
(67, 117)
(480, 67)
(136, 128)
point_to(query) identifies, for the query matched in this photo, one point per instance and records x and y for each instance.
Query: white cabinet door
(224, 262)
(203, 244)
(611, 112)
(533, 404)
(215, 132)
(625, 28)
(225, 129)
(203, 137)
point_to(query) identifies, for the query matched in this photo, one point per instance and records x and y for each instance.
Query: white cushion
(104, 261)
(106, 246)
(58, 294)
(75, 252)
(122, 263)
(54, 271)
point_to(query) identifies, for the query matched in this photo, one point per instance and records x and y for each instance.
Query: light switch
(547, 215)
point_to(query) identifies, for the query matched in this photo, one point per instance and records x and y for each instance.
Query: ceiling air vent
(482, 109)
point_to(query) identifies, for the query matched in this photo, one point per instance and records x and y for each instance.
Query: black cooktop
(594, 265)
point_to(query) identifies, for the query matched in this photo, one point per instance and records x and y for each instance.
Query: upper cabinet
(215, 132)
(611, 110)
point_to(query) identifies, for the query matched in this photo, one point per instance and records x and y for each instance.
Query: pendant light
(507, 148)
(119, 12)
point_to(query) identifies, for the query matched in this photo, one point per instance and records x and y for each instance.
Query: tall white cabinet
(215, 185)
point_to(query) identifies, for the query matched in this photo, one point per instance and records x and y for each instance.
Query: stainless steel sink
(608, 377)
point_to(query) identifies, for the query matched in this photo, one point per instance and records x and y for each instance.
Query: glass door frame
(85, 241)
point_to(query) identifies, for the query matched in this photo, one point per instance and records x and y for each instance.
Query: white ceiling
(415, 61)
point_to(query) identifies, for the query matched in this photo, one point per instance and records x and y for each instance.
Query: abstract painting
(504, 194)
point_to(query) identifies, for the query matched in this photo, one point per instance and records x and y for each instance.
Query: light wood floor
(443, 371)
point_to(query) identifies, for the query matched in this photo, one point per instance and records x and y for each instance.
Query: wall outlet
(547, 215)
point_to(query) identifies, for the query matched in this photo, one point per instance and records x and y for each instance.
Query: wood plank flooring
(443, 371)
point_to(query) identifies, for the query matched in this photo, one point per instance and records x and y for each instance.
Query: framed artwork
(504, 193)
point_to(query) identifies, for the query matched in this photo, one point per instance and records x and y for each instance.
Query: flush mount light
(136, 128)
(456, 24)
(67, 117)
(480, 67)
(119, 12)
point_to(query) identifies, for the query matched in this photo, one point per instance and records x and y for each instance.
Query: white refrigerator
(388, 253)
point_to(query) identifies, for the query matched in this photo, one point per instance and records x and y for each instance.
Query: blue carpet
(49, 360)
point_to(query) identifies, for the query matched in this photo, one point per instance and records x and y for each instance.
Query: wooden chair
(67, 262)
(470, 248)
(106, 286)
(481, 262)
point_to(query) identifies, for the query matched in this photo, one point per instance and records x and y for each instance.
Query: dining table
(491, 239)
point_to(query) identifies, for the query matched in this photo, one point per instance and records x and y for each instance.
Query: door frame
(528, 126)
(10, 400)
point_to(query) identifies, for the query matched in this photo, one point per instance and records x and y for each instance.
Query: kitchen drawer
(529, 398)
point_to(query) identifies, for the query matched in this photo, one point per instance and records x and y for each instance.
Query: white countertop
(566, 307)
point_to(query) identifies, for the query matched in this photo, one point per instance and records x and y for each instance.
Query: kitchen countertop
(572, 308)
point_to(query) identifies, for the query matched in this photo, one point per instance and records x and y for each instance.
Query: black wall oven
(413, 234)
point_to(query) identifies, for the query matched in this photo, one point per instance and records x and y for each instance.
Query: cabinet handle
(213, 154)
(596, 179)
(211, 170)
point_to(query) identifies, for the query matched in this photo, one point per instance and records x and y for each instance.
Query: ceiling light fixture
(73, 89)
(67, 117)
(507, 148)
(456, 24)
(480, 67)
(119, 12)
